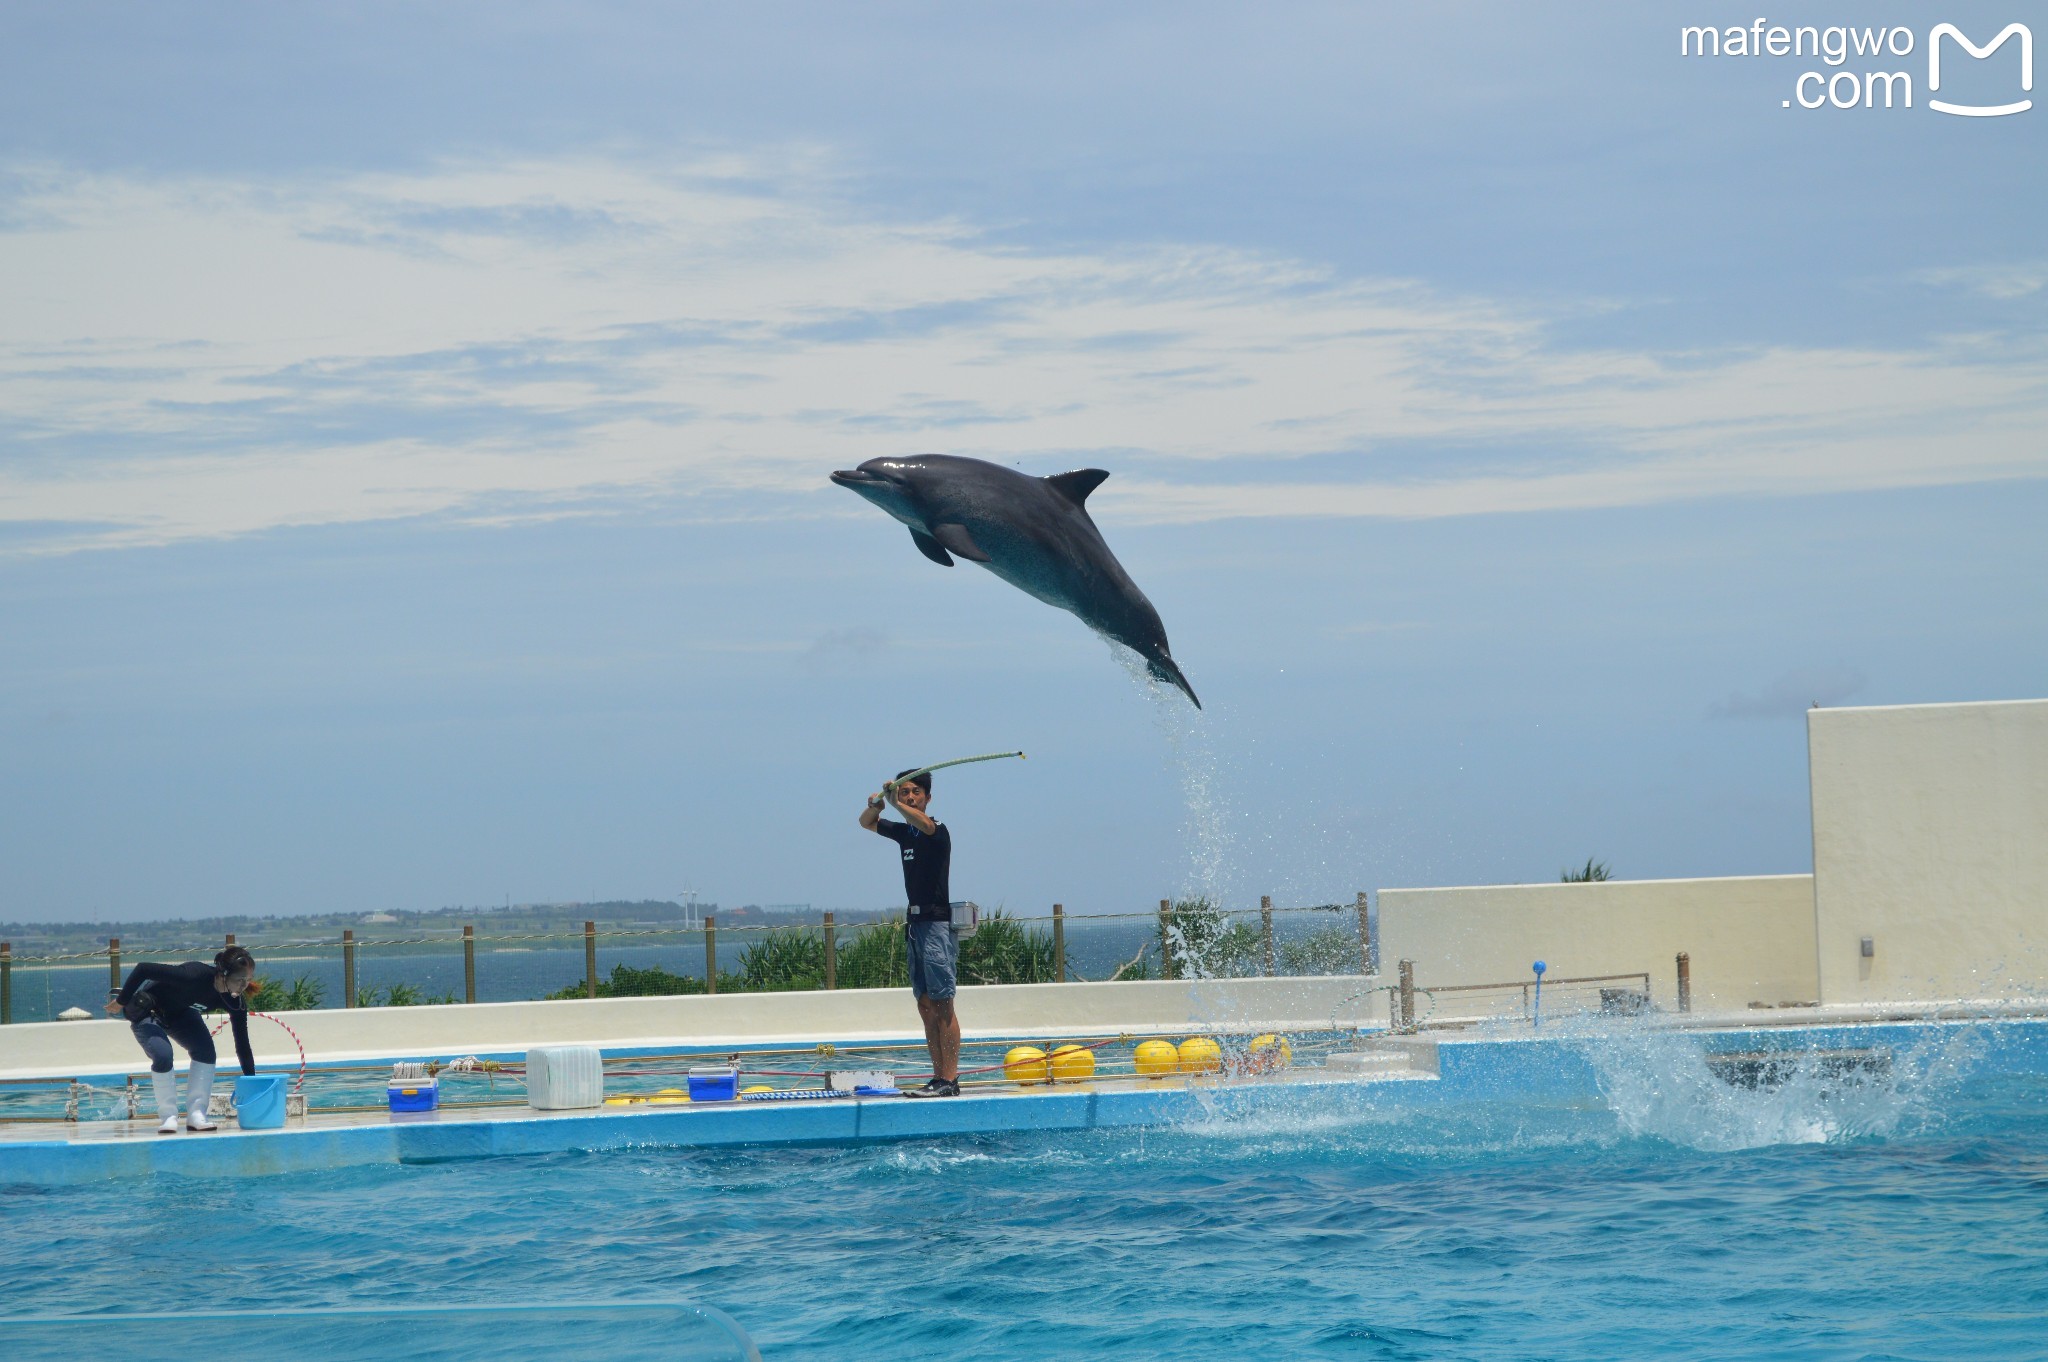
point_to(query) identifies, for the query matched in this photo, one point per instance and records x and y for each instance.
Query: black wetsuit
(165, 1002)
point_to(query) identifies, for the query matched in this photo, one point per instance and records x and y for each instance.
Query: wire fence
(1187, 938)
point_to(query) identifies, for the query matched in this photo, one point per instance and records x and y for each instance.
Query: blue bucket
(259, 1101)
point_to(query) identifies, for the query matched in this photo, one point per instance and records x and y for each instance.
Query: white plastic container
(564, 1078)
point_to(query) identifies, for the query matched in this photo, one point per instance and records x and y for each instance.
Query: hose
(942, 765)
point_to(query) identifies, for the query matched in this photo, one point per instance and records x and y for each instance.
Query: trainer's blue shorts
(934, 960)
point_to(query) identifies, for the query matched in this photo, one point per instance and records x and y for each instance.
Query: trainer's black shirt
(927, 867)
(168, 989)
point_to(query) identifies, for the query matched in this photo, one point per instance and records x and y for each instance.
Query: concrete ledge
(736, 1020)
(445, 1135)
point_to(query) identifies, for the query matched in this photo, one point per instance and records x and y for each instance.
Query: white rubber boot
(198, 1093)
(166, 1087)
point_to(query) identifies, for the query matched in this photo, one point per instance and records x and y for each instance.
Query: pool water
(1905, 1217)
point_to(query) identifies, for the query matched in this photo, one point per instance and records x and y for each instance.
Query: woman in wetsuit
(164, 1003)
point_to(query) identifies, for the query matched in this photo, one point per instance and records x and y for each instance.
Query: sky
(415, 421)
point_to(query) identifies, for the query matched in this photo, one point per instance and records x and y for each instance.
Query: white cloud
(2001, 282)
(198, 358)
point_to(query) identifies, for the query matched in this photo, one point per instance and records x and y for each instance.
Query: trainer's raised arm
(871, 815)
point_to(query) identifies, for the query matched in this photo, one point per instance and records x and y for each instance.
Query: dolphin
(1034, 533)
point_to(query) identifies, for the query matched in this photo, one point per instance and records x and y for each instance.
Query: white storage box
(564, 1078)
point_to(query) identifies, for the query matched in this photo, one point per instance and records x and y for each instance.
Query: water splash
(1189, 736)
(1669, 1085)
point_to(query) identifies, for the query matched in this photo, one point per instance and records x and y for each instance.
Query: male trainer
(934, 951)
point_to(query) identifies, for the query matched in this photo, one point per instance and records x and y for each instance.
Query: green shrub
(1206, 944)
(651, 981)
(875, 958)
(1004, 951)
(404, 995)
(783, 960)
(1328, 950)
(305, 993)
(1591, 873)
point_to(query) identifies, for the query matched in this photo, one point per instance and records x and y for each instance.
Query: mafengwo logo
(1849, 74)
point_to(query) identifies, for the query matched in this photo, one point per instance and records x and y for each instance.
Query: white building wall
(1930, 837)
(1750, 938)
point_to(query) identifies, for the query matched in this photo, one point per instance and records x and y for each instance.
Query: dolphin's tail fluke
(1164, 668)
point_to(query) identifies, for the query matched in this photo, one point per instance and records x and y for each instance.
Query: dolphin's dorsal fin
(1076, 486)
(931, 548)
(954, 536)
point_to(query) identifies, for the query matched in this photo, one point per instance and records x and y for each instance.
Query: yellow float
(758, 1087)
(1154, 1058)
(1267, 1053)
(1027, 1064)
(1200, 1055)
(1071, 1064)
(668, 1097)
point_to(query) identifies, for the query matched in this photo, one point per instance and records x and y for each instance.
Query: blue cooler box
(714, 1085)
(415, 1095)
(259, 1101)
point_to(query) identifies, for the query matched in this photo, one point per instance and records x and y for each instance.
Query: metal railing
(1180, 939)
(1513, 998)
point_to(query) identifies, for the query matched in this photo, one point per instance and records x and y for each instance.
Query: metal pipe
(590, 959)
(1407, 995)
(831, 954)
(1266, 929)
(1368, 949)
(348, 967)
(468, 963)
(1059, 943)
(1684, 982)
(711, 952)
(1165, 939)
(6, 983)
(114, 962)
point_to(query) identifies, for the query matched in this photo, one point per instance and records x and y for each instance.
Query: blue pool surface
(1658, 1213)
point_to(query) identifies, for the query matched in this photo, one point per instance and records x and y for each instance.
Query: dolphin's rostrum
(1034, 533)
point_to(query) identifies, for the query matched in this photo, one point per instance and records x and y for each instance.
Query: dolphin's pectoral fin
(931, 548)
(1076, 486)
(954, 536)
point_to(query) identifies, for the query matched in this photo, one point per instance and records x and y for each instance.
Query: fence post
(1684, 982)
(1407, 995)
(590, 959)
(711, 952)
(231, 938)
(831, 954)
(1266, 929)
(1166, 970)
(1368, 949)
(113, 962)
(6, 983)
(468, 963)
(1059, 943)
(348, 967)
